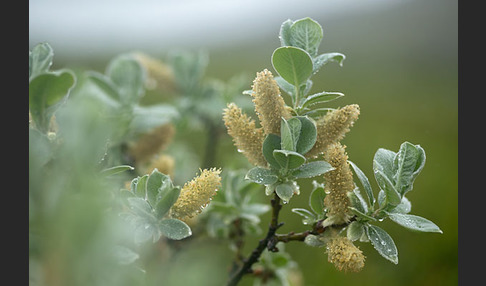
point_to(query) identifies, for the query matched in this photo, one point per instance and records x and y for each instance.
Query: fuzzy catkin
(196, 194)
(152, 143)
(269, 104)
(159, 74)
(344, 254)
(246, 137)
(338, 183)
(332, 128)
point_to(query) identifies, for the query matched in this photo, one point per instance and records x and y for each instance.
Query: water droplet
(239, 150)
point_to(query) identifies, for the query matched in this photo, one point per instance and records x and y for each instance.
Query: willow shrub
(102, 177)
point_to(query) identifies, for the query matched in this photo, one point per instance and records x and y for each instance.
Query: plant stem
(268, 242)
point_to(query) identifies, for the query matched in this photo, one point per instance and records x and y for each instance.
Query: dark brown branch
(268, 242)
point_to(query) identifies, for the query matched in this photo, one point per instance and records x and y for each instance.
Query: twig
(262, 244)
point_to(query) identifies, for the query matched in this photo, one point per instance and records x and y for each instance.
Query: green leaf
(261, 176)
(141, 186)
(307, 136)
(290, 132)
(306, 34)
(124, 255)
(355, 230)
(144, 230)
(314, 241)
(408, 162)
(364, 182)
(323, 59)
(292, 64)
(414, 222)
(140, 207)
(174, 229)
(116, 169)
(312, 169)
(165, 199)
(284, 34)
(391, 194)
(104, 83)
(382, 242)
(272, 142)
(45, 94)
(316, 200)
(285, 86)
(154, 182)
(357, 201)
(128, 76)
(285, 191)
(320, 97)
(361, 215)
(383, 161)
(288, 159)
(404, 207)
(309, 217)
(40, 60)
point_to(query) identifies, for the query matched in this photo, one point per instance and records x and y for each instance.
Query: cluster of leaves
(148, 203)
(394, 173)
(285, 155)
(297, 60)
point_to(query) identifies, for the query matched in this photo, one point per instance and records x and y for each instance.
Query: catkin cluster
(338, 183)
(196, 194)
(344, 254)
(269, 107)
(332, 128)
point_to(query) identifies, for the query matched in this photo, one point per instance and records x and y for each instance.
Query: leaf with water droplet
(382, 242)
(414, 222)
(174, 229)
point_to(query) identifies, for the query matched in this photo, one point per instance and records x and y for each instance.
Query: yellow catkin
(344, 254)
(246, 137)
(196, 194)
(152, 143)
(163, 163)
(269, 104)
(332, 128)
(338, 183)
(159, 75)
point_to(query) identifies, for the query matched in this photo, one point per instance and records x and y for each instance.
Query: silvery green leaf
(414, 222)
(165, 199)
(320, 97)
(383, 161)
(307, 135)
(312, 169)
(285, 191)
(124, 255)
(174, 229)
(261, 176)
(323, 59)
(128, 76)
(272, 142)
(382, 242)
(288, 159)
(40, 59)
(284, 34)
(155, 182)
(355, 230)
(316, 200)
(292, 64)
(116, 169)
(408, 163)
(140, 207)
(306, 34)
(361, 215)
(391, 194)
(314, 241)
(404, 207)
(285, 86)
(290, 133)
(364, 182)
(308, 216)
(357, 201)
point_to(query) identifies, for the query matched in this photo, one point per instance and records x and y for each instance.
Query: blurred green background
(401, 68)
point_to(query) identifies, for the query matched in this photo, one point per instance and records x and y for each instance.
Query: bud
(338, 183)
(332, 128)
(344, 254)
(196, 194)
(269, 104)
(246, 137)
(152, 143)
